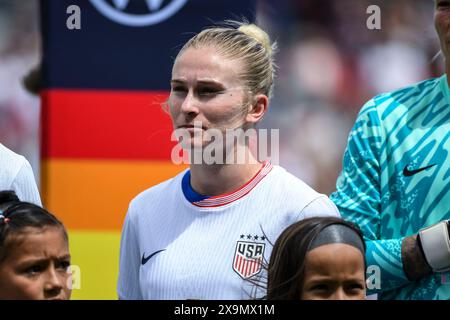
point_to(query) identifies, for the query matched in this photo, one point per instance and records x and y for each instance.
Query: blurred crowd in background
(20, 48)
(329, 62)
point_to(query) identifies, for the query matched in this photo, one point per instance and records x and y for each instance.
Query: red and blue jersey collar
(200, 200)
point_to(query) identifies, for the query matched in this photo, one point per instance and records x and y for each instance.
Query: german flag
(105, 134)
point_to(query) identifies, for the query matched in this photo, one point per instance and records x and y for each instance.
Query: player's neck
(217, 179)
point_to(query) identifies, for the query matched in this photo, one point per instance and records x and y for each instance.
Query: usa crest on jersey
(248, 258)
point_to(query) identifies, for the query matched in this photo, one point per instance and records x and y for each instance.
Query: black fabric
(338, 233)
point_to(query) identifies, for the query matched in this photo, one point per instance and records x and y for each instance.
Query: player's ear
(257, 108)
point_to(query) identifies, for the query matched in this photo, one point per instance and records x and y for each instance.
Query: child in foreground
(34, 252)
(318, 259)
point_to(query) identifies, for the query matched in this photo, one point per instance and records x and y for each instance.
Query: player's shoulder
(386, 107)
(11, 163)
(298, 196)
(162, 192)
(415, 87)
(407, 95)
(10, 157)
(288, 184)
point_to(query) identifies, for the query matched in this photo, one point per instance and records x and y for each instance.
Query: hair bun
(258, 34)
(8, 196)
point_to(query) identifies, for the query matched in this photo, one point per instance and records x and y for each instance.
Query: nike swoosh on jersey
(408, 173)
(145, 259)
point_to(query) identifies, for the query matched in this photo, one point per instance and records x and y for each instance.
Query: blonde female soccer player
(205, 232)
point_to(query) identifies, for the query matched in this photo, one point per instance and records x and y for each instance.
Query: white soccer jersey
(173, 248)
(16, 174)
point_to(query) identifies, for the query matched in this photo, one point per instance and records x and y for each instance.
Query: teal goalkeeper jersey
(396, 180)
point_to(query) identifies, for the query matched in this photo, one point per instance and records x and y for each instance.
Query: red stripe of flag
(105, 124)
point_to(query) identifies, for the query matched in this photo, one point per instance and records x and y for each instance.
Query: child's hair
(16, 216)
(286, 268)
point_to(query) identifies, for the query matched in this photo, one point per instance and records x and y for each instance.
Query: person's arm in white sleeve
(25, 186)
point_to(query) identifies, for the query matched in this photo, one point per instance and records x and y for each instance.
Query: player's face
(334, 272)
(206, 91)
(38, 266)
(442, 24)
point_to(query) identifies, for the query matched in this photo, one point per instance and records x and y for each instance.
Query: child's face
(334, 272)
(37, 266)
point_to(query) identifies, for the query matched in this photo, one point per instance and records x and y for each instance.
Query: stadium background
(330, 64)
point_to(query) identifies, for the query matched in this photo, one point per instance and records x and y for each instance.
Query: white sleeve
(128, 287)
(320, 207)
(25, 186)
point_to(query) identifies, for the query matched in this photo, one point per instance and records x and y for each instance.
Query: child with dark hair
(34, 252)
(318, 259)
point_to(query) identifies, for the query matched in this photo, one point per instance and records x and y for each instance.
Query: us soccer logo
(248, 258)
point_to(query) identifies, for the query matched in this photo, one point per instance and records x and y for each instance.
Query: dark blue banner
(124, 44)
